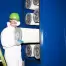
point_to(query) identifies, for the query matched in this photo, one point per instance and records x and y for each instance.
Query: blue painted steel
(52, 24)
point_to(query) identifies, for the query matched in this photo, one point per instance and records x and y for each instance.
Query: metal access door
(52, 17)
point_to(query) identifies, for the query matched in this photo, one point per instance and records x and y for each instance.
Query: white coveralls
(12, 51)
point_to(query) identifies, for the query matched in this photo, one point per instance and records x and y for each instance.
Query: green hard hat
(14, 16)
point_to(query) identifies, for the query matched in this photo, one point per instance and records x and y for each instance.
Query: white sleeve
(2, 39)
(7, 38)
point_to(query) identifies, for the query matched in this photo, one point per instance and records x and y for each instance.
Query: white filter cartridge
(30, 50)
(37, 51)
(33, 50)
(36, 2)
(30, 35)
(31, 18)
(32, 4)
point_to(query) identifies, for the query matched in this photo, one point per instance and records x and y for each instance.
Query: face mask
(14, 25)
(18, 23)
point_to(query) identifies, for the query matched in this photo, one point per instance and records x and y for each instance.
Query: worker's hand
(20, 41)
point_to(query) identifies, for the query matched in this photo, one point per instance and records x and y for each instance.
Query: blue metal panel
(52, 25)
(64, 20)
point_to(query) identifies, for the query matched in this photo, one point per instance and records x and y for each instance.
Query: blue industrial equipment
(52, 24)
(52, 17)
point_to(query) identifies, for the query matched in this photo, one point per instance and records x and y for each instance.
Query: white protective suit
(12, 51)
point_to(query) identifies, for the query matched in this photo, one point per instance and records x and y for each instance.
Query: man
(12, 50)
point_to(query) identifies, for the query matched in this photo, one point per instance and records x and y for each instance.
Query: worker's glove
(20, 41)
